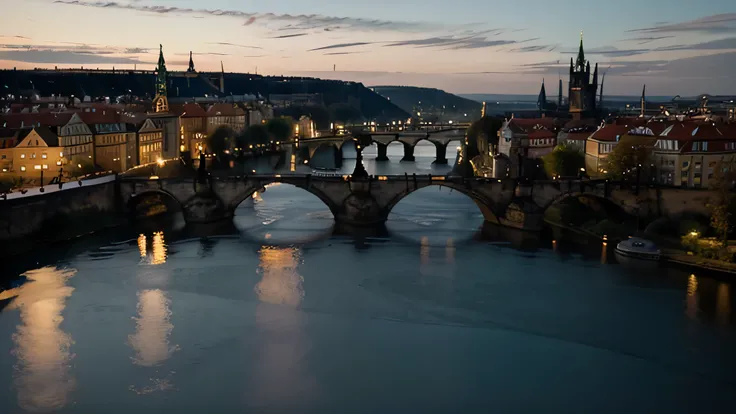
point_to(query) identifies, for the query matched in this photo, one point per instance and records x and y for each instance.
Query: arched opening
(592, 214)
(283, 214)
(348, 150)
(435, 214)
(326, 156)
(153, 203)
(452, 151)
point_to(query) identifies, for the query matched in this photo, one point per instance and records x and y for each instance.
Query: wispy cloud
(342, 53)
(720, 44)
(65, 57)
(311, 21)
(290, 35)
(642, 40)
(340, 46)
(717, 23)
(234, 45)
(609, 51)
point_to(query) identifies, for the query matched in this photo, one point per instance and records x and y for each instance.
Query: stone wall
(60, 214)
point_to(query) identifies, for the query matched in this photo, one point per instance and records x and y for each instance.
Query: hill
(429, 100)
(94, 85)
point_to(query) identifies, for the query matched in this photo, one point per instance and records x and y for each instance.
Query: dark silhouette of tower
(643, 101)
(559, 97)
(582, 90)
(191, 64)
(542, 99)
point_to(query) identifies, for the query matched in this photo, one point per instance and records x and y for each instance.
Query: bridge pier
(441, 156)
(408, 153)
(382, 152)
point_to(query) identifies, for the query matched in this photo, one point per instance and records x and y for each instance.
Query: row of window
(606, 148)
(540, 142)
(667, 144)
(151, 137)
(75, 140)
(111, 139)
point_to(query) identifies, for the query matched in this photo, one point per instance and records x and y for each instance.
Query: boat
(638, 252)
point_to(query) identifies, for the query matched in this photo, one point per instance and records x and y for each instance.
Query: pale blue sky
(464, 46)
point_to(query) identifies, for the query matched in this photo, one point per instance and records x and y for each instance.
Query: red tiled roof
(611, 132)
(188, 110)
(224, 109)
(17, 121)
(107, 116)
(527, 125)
(681, 131)
(541, 133)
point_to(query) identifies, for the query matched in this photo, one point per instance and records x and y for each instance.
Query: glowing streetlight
(160, 162)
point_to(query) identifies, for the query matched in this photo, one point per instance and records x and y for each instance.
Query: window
(696, 146)
(36, 167)
(22, 156)
(45, 166)
(43, 156)
(705, 146)
(33, 156)
(22, 167)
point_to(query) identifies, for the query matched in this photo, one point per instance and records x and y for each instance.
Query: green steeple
(161, 74)
(580, 63)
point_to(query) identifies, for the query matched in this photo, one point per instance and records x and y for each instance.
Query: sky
(462, 46)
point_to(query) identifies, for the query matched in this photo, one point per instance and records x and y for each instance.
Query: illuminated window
(45, 166)
(36, 167)
(22, 167)
(22, 156)
(43, 156)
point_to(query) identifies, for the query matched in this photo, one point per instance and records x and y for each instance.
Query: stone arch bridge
(368, 202)
(439, 137)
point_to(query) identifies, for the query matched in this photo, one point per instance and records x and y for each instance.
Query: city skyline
(465, 46)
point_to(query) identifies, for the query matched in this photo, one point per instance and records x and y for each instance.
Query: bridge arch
(167, 202)
(490, 210)
(596, 207)
(249, 191)
(329, 153)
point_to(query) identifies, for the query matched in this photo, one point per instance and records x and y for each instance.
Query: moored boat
(638, 252)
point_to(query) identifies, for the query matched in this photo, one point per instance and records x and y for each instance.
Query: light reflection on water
(43, 377)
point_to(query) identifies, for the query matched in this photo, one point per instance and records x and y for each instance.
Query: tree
(253, 135)
(220, 140)
(344, 113)
(622, 163)
(80, 166)
(564, 161)
(721, 203)
(281, 129)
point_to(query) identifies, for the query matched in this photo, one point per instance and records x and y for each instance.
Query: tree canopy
(623, 161)
(220, 140)
(564, 161)
(487, 126)
(280, 129)
(721, 204)
(342, 112)
(253, 135)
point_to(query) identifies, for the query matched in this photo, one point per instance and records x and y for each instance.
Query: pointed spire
(191, 63)
(643, 100)
(580, 63)
(542, 99)
(161, 62)
(559, 97)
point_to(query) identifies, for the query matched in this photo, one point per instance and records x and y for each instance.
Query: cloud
(340, 46)
(720, 44)
(64, 57)
(341, 53)
(537, 48)
(234, 45)
(135, 50)
(642, 40)
(717, 23)
(311, 21)
(289, 35)
(609, 51)
(477, 40)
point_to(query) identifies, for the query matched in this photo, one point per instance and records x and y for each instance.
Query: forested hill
(414, 99)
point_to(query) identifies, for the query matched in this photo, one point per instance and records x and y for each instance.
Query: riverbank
(670, 255)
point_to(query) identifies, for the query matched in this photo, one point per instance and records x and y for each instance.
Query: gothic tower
(161, 101)
(191, 64)
(542, 99)
(583, 90)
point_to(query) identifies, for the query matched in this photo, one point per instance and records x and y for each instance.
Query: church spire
(160, 102)
(643, 100)
(191, 63)
(542, 99)
(559, 97)
(161, 62)
(580, 63)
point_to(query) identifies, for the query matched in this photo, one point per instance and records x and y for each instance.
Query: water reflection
(280, 379)
(450, 251)
(280, 283)
(42, 373)
(153, 322)
(153, 328)
(691, 302)
(723, 304)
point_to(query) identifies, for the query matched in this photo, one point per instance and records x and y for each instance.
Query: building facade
(77, 140)
(224, 114)
(36, 154)
(150, 142)
(111, 146)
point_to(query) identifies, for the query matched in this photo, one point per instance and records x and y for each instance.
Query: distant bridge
(440, 137)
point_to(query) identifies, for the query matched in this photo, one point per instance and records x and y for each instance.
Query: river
(280, 312)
